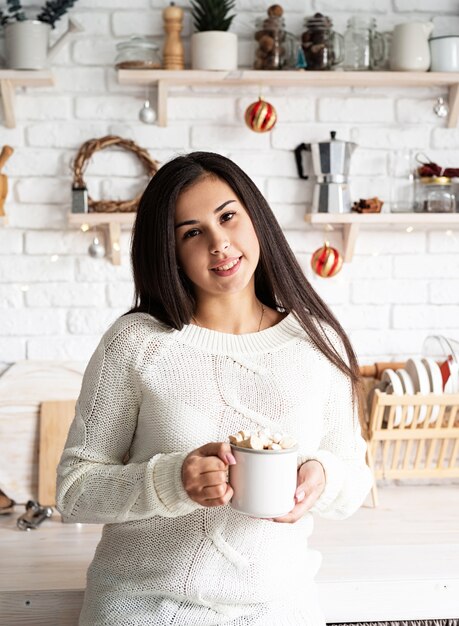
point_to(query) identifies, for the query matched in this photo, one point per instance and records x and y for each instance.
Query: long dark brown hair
(165, 292)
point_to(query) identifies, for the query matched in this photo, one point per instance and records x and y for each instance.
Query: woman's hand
(204, 474)
(310, 484)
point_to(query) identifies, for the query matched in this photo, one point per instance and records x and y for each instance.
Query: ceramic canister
(264, 481)
(444, 52)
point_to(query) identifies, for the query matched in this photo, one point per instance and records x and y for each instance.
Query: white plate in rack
(436, 383)
(408, 388)
(394, 386)
(420, 378)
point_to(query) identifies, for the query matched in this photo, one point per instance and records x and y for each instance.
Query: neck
(230, 316)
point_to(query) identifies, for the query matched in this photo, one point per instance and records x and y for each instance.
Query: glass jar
(435, 195)
(276, 46)
(322, 46)
(137, 53)
(363, 45)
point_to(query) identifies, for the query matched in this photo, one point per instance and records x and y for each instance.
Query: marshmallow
(263, 439)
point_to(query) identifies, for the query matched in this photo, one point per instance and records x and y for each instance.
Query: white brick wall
(56, 301)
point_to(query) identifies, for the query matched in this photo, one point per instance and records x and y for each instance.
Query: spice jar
(322, 46)
(275, 50)
(435, 195)
(137, 53)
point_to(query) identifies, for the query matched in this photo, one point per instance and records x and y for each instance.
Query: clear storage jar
(275, 46)
(322, 46)
(137, 53)
(435, 195)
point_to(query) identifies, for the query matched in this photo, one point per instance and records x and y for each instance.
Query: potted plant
(213, 47)
(27, 40)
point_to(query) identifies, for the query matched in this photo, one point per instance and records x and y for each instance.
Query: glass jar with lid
(137, 53)
(322, 46)
(435, 195)
(275, 46)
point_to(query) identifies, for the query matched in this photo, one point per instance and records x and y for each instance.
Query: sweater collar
(217, 342)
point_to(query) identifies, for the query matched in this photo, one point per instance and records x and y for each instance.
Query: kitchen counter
(397, 562)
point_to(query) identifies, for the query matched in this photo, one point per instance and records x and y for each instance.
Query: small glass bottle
(322, 46)
(363, 45)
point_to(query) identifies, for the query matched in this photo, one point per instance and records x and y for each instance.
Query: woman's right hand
(204, 474)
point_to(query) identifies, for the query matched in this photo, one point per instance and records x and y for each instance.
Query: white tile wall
(55, 301)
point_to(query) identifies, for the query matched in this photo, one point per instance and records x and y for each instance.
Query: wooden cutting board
(55, 419)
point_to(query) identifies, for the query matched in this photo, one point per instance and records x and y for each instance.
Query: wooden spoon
(5, 154)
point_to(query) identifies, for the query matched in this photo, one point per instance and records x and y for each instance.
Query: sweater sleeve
(341, 452)
(94, 485)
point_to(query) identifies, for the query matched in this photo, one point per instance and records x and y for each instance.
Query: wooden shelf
(351, 223)
(10, 79)
(110, 225)
(164, 79)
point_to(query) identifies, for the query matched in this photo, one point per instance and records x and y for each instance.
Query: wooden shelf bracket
(8, 96)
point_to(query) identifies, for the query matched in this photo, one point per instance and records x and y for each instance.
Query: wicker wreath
(83, 157)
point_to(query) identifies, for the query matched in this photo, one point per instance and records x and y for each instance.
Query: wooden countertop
(399, 561)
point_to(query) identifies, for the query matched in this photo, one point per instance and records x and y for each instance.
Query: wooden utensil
(55, 419)
(7, 151)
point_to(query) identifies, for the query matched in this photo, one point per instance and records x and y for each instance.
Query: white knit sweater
(150, 395)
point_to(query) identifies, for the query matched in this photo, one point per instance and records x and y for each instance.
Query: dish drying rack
(420, 447)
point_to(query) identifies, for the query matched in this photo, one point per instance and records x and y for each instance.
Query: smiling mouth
(228, 266)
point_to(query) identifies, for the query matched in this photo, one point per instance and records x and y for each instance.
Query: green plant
(50, 13)
(212, 14)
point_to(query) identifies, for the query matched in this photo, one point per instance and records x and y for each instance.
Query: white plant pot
(214, 50)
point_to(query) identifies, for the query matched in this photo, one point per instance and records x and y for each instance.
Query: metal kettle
(329, 158)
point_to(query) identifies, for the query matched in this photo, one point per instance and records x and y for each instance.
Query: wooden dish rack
(420, 449)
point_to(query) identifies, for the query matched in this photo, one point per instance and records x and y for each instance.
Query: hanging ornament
(326, 261)
(96, 249)
(260, 116)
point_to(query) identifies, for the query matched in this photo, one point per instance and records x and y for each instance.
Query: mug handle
(338, 47)
(378, 48)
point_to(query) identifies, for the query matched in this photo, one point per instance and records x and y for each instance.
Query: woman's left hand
(310, 484)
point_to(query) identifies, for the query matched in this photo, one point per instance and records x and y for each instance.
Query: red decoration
(326, 261)
(260, 116)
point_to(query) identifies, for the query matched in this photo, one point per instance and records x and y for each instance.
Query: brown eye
(189, 234)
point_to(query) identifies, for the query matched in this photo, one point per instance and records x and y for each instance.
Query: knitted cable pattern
(150, 395)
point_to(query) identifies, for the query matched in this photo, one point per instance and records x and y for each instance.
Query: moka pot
(331, 163)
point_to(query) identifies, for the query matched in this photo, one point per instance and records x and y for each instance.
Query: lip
(225, 261)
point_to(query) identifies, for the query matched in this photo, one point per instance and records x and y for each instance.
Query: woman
(226, 334)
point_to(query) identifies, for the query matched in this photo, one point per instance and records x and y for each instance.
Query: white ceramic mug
(264, 481)
(444, 52)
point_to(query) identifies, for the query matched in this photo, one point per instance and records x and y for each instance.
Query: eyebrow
(219, 208)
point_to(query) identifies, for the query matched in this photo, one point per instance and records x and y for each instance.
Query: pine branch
(54, 10)
(15, 10)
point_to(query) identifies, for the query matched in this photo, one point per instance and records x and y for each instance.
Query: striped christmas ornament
(260, 116)
(326, 261)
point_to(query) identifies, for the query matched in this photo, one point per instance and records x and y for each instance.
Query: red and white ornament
(326, 261)
(260, 116)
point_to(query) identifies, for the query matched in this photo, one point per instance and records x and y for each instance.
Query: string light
(54, 258)
(409, 229)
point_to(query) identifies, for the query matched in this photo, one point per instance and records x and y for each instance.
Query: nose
(219, 242)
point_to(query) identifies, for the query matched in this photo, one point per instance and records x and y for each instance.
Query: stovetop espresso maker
(330, 162)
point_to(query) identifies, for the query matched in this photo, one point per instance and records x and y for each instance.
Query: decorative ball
(326, 261)
(260, 116)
